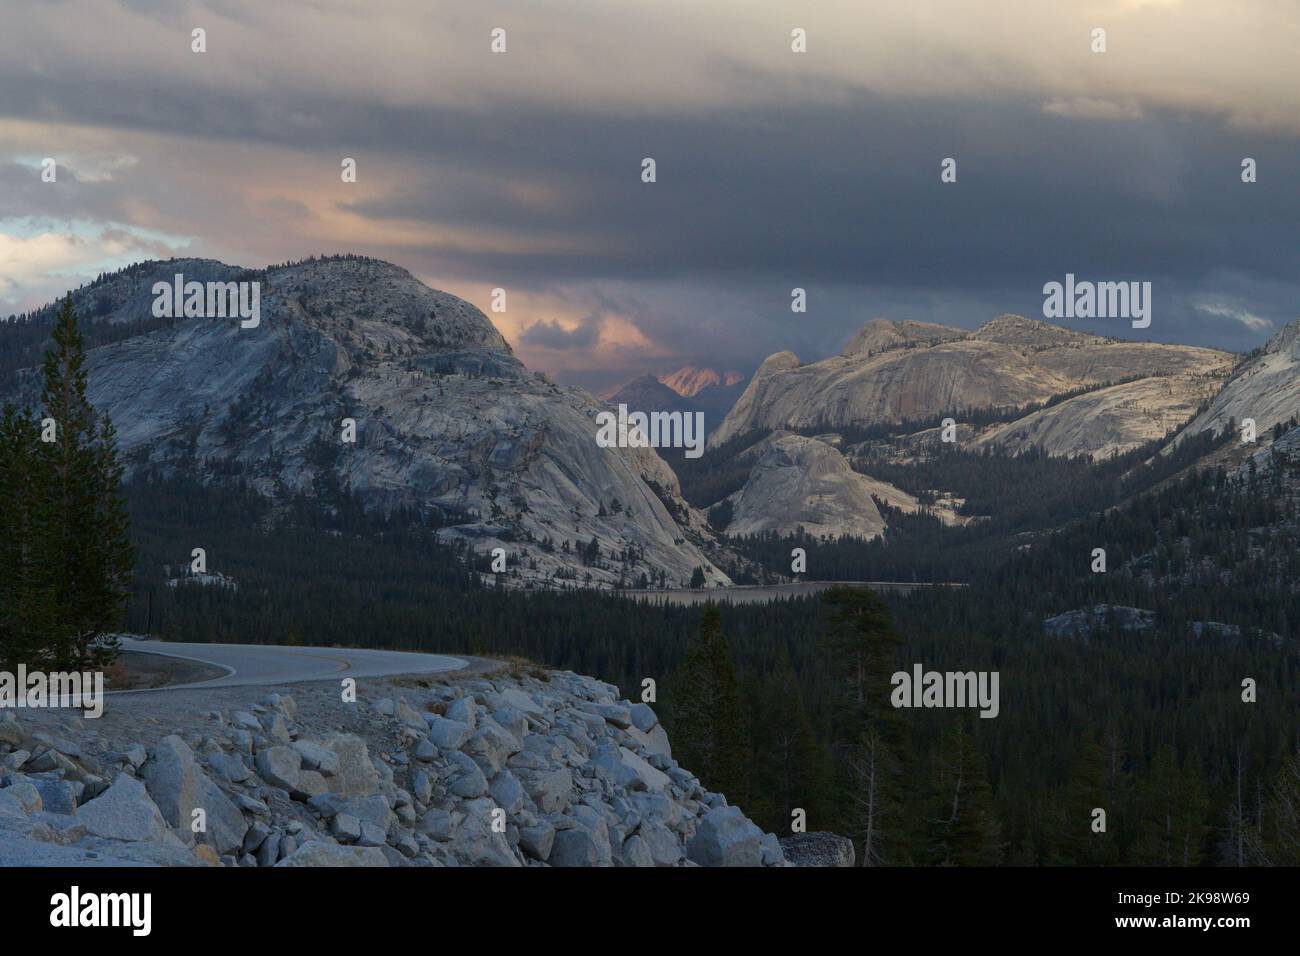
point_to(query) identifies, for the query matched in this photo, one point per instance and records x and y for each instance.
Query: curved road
(252, 664)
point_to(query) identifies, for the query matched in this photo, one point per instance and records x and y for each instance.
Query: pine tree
(24, 606)
(870, 736)
(1172, 812)
(961, 828)
(709, 733)
(1074, 841)
(82, 558)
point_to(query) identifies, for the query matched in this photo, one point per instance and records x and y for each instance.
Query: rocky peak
(878, 335)
(1022, 332)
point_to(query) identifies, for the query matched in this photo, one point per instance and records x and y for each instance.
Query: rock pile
(547, 768)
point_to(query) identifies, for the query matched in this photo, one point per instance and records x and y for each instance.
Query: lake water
(760, 594)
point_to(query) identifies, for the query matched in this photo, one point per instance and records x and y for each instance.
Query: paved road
(253, 664)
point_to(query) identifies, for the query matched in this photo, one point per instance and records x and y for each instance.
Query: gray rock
(59, 796)
(436, 824)
(408, 716)
(28, 796)
(449, 734)
(463, 710)
(356, 774)
(317, 757)
(819, 848)
(663, 845)
(726, 838)
(320, 853)
(422, 786)
(125, 812)
(551, 790)
(574, 847)
(508, 793)
(179, 786)
(371, 835)
(772, 853)
(246, 721)
(346, 828)
(636, 852)
(229, 766)
(16, 759)
(373, 809)
(280, 766)
(643, 717)
(537, 840)
(616, 714)
(250, 805)
(491, 746)
(467, 780)
(257, 833)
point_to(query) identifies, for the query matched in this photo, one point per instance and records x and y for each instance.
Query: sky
(775, 169)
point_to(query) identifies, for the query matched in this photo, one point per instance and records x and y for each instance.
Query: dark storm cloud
(837, 194)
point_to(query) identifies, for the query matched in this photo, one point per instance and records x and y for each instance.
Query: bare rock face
(447, 419)
(802, 482)
(924, 372)
(1110, 420)
(1265, 388)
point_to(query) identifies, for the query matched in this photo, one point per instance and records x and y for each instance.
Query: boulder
(537, 841)
(320, 853)
(574, 847)
(467, 780)
(636, 853)
(317, 757)
(179, 786)
(819, 848)
(280, 766)
(725, 837)
(551, 790)
(356, 774)
(447, 734)
(125, 812)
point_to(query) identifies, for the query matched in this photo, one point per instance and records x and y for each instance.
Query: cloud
(776, 169)
(551, 334)
(1254, 323)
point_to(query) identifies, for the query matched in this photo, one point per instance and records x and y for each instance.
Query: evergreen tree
(80, 551)
(870, 736)
(1172, 813)
(709, 734)
(1074, 842)
(961, 828)
(24, 607)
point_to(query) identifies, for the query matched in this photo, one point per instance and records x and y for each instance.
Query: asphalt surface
(250, 665)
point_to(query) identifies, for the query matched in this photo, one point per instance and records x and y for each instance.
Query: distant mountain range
(690, 380)
(450, 423)
(687, 390)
